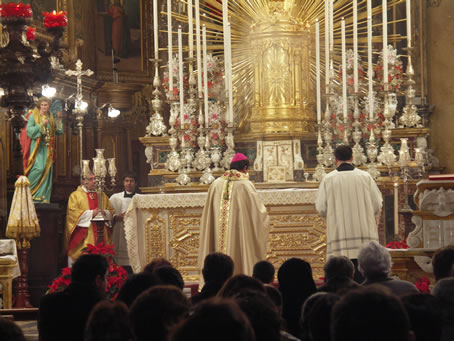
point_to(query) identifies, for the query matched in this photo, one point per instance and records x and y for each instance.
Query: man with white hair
(374, 262)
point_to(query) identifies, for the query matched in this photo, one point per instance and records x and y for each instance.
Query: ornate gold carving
(283, 98)
(155, 239)
(184, 242)
(300, 235)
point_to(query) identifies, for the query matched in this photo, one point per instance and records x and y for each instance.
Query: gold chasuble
(78, 236)
(235, 222)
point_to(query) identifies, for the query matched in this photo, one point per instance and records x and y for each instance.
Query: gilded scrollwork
(155, 239)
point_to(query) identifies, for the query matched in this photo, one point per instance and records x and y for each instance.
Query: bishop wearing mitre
(234, 220)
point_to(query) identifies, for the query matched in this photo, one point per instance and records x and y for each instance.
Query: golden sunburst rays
(243, 14)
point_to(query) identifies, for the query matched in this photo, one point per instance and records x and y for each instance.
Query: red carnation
(30, 33)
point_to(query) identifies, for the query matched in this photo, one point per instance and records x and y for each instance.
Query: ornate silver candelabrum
(156, 127)
(410, 117)
(216, 156)
(173, 162)
(229, 152)
(207, 177)
(387, 156)
(359, 158)
(319, 169)
(404, 163)
(389, 109)
(419, 160)
(372, 152)
(328, 154)
(202, 157)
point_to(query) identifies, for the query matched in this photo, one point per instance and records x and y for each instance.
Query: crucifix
(80, 108)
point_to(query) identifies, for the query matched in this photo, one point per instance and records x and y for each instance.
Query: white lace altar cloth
(138, 213)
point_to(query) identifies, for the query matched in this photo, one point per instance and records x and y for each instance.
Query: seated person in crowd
(264, 272)
(370, 314)
(444, 292)
(156, 311)
(339, 272)
(108, 321)
(374, 262)
(217, 269)
(9, 331)
(296, 284)
(62, 315)
(442, 262)
(217, 319)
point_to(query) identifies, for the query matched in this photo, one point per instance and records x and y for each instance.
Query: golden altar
(167, 225)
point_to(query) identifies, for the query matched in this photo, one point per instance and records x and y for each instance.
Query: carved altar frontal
(168, 225)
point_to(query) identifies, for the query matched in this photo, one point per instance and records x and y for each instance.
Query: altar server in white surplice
(120, 202)
(350, 200)
(234, 220)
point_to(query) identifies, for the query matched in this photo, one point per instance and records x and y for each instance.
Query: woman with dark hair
(296, 285)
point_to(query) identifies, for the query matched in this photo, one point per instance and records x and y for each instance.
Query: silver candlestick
(229, 152)
(372, 152)
(156, 127)
(319, 169)
(387, 156)
(410, 117)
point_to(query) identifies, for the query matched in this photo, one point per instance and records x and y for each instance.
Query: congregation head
(261, 313)
(263, 271)
(108, 321)
(156, 311)
(10, 331)
(89, 269)
(371, 313)
(443, 262)
(234, 285)
(218, 319)
(374, 260)
(217, 267)
(338, 267)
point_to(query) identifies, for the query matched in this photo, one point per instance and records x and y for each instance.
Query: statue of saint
(38, 146)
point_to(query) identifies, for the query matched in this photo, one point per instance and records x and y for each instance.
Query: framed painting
(120, 35)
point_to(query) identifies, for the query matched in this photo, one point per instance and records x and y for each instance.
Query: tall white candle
(344, 71)
(327, 44)
(331, 24)
(170, 47)
(199, 58)
(370, 71)
(355, 45)
(191, 31)
(205, 74)
(155, 29)
(180, 75)
(385, 45)
(408, 23)
(226, 45)
(317, 68)
(229, 68)
(396, 208)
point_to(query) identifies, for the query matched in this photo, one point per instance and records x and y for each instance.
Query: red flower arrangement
(30, 33)
(116, 275)
(397, 245)
(16, 10)
(423, 285)
(55, 19)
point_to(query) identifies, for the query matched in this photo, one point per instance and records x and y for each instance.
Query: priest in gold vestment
(234, 220)
(83, 206)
